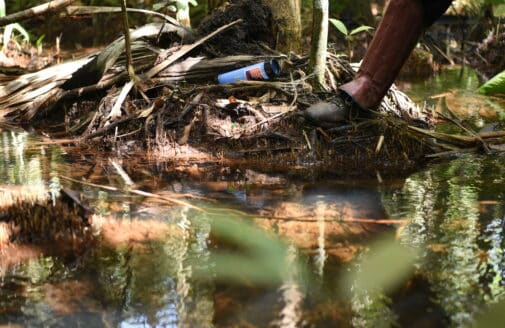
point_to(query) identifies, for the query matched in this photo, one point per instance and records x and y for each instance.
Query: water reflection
(453, 213)
(453, 92)
(463, 244)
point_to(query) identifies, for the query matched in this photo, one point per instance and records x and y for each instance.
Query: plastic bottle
(257, 72)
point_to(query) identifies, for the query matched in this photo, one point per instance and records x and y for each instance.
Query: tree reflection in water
(457, 219)
(455, 213)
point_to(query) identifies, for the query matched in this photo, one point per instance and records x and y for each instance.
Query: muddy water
(452, 213)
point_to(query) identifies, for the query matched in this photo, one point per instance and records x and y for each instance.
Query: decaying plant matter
(176, 106)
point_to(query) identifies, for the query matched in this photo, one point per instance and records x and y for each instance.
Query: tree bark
(319, 43)
(287, 16)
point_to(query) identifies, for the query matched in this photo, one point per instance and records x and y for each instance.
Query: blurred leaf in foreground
(383, 268)
(494, 86)
(493, 317)
(254, 256)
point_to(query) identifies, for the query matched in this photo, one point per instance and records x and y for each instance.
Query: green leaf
(159, 5)
(181, 4)
(172, 8)
(21, 31)
(2, 8)
(499, 10)
(194, 3)
(340, 26)
(360, 29)
(255, 256)
(7, 34)
(494, 86)
(38, 43)
(386, 265)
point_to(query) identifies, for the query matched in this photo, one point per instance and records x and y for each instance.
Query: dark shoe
(396, 36)
(328, 114)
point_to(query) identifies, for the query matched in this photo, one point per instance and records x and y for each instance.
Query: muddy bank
(177, 111)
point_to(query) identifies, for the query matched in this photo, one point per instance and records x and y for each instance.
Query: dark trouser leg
(394, 40)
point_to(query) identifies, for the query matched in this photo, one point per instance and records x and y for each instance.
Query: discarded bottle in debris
(257, 72)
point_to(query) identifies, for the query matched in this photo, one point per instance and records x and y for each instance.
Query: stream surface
(450, 216)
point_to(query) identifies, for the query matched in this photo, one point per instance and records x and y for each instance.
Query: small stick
(122, 173)
(470, 132)
(307, 139)
(89, 10)
(34, 11)
(379, 144)
(105, 129)
(136, 192)
(128, 47)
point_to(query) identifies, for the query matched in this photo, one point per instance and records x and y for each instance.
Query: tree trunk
(319, 43)
(287, 16)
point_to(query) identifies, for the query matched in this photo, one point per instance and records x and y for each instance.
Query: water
(448, 219)
(452, 92)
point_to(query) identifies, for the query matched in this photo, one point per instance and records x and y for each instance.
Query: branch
(91, 10)
(127, 42)
(34, 11)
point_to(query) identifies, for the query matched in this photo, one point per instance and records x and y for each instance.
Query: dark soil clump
(244, 38)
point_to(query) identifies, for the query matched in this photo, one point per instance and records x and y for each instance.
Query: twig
(268, 149)
(451, 153)
(307, 139)
(380, 142)
(35, 11)
(78, 92)
(128, 46)
(106, 129)
(470, 132)
(122, 173)
(185, 49)
(454, 139)
(295, 95)
(88, 10)
(129, 133)
(136, 192)
(266, 120)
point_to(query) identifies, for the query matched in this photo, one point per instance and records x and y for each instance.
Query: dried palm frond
(21, 98)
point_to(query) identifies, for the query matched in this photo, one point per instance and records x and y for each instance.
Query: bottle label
(255, 74)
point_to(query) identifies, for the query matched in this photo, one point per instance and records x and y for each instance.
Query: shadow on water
(442, 263)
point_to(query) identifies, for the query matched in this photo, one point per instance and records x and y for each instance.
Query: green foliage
(500, 10)
(39, 41)
(174, 6)
(494, 86)
(15, 27)
(472, 7)
(340, 26)
(350, 36)
(386, 266)
(343, 29)
(9, 29)
(257, 256)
